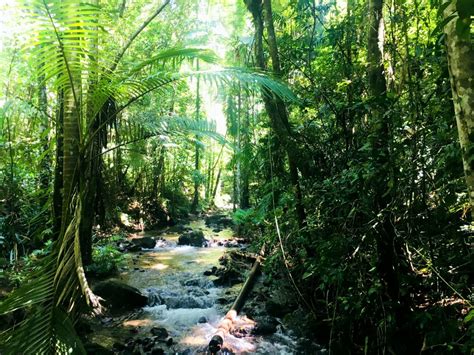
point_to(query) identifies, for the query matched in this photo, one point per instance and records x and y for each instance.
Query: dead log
(227, 323)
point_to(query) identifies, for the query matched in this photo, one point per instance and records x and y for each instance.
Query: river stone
(160, 333)
(202, 320)
(145, 242)
(154, 297)
(193, 238)
(118, 295)
(186, 302)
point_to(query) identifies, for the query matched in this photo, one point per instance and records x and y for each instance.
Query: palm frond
(50, 298)
(168, 126)
(176, 56)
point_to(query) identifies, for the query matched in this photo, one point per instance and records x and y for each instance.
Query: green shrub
(106, 260)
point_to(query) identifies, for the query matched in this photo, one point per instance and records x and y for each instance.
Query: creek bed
(184, 301)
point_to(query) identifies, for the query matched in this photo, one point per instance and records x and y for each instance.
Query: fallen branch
(227, 323)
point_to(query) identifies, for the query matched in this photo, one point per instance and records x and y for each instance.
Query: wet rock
(159, 333)
(106, 320)
(265, 326)
(192, 282)
(169, 341)
(222, 300)
(193, 238)
(147, 344)
(227, 277)
(207, 273)
(186, 302)
(134, 248)
(118, 295)
(154, 297)
(202, 320)
(145, 242)
(198, 282)
(130, 345)
(157, 351)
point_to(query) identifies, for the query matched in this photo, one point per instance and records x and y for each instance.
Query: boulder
(265, 326)
(160, 333)
(145, 242)
(118, 295)
(193, 238)
(202, 319)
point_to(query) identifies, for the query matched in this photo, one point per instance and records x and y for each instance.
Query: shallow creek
(184, 301)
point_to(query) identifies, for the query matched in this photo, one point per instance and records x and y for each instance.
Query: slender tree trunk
(91, 172)
(71, 159)
(45, 169)
(461, 72)
(246, 152)
(275, 107)
(238, 163)
(58, 168)
(380, 141)
(216, 185)
(195, 204)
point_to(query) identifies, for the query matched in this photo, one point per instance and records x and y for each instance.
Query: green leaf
(469, 317)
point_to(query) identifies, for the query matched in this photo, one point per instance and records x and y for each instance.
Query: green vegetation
(340, 133)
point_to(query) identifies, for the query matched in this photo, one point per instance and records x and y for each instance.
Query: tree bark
(380, 153)
(460, 53)
(246, 153)
(195, 204)
(58, 168)
(275, 106)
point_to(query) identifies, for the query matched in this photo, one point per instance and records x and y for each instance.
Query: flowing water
(185, 302)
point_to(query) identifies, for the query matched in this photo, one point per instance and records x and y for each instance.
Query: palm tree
(93, 91)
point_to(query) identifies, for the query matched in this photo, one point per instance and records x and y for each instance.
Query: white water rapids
(185, 302)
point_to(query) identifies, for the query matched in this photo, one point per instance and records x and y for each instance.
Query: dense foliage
(119, 113)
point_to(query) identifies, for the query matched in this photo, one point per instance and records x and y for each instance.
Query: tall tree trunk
(58, 168)
(45, 169)
(195, 204)
(380, 151)
(90, 174)
(246, 152)
(274, 106)
(71, 158)
(461, 72)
